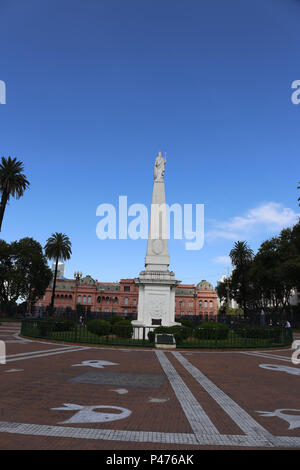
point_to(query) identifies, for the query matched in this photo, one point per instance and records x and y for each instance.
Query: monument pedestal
(156, 305)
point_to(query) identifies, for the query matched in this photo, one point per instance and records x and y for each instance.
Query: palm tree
(241, 254)
(241, 257)
(58, 247)
(12, 182)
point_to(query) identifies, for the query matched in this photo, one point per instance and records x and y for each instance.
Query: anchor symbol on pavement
(293, 420)
(86, 414)
(96, 363)
(289, 370)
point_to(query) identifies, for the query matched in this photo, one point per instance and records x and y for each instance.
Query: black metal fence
(116, 335)
(270, 318)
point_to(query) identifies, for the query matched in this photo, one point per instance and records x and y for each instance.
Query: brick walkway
(58, 396)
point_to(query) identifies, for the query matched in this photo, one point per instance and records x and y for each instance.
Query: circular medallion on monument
(157, 246)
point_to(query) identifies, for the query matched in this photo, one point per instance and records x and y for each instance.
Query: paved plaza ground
(59, 396)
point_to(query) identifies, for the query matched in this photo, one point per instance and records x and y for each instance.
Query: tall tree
(24, 273)
(241, 258)
(12, 182)
(275, 270)
(58, 247)
(241, 254)
(33, 271)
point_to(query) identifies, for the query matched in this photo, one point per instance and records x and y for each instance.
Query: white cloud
(222, 260)
(269, 217)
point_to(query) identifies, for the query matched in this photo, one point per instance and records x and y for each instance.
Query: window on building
(84, 299)
(210, 304)
(125, 310)
(126, 288)
(107, 300)
(181, 314)
(99, 300)
(79, 299)
(200, 303)
(116, 300)
(134, 301)
(191, 304)
(126, 301)
(205, 303)
(89, 299)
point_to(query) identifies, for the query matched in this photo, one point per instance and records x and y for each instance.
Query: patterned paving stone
(120, 379)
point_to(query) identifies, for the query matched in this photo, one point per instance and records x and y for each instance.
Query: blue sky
(96, 88)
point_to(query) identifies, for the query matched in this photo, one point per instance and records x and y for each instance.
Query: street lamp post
(228, 297)
(77, 277)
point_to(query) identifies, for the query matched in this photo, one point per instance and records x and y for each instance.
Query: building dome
(204, 285)
(87, 280)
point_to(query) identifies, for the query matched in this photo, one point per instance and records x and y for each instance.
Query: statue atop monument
(159, 167)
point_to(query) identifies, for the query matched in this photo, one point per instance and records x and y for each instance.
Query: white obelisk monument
(156, 304)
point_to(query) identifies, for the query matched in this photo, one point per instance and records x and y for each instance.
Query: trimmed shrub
(66, 325)
(272, 333)
(99, 327)
(187, 323)
(44, 328)
(114, 320)
(212, 331)
(123, 329)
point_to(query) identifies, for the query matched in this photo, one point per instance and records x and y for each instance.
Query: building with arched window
(121, 298)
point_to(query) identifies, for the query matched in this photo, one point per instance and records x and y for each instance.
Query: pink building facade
(121, 298)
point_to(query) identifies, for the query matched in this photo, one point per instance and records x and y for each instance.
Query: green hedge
(99, 327)
(123, 329)
(45, 327)
(187, 323)
(260, 332)
(211, 331)
(114, 320)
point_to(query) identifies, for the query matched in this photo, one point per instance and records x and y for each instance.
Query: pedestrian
(288, 325)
